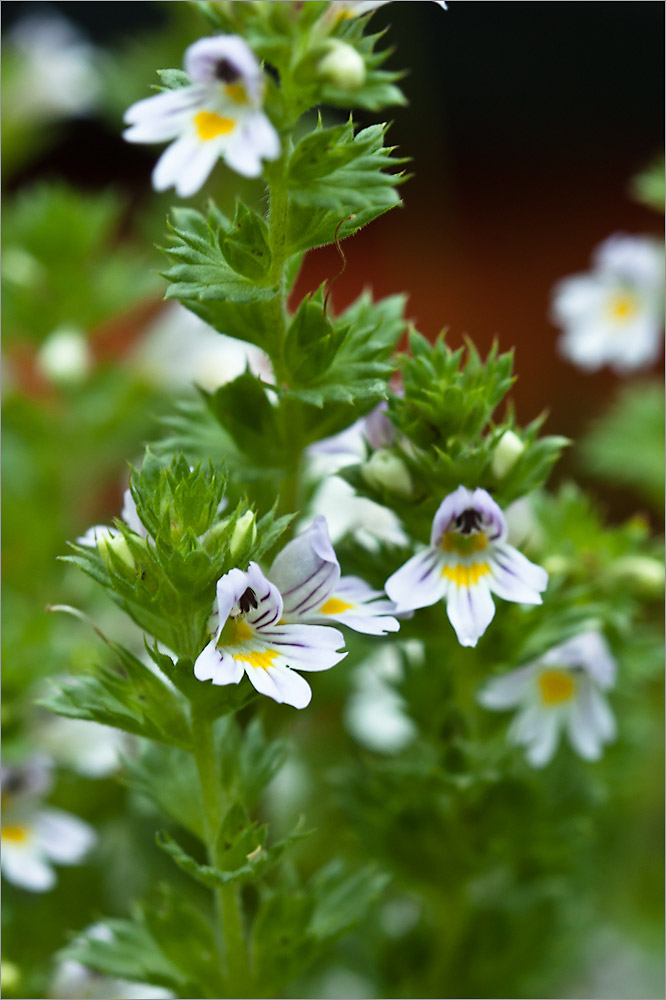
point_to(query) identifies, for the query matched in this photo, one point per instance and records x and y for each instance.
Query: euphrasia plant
(224, 564)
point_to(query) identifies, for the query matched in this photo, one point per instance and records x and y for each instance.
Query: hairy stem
(230, 936)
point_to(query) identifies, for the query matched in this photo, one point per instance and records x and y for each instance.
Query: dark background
(525, 124)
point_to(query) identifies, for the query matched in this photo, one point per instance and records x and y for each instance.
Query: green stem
(277, 241)
(230, 936)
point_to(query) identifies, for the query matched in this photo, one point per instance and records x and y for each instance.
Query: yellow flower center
(209, 125)
(257, 658)
(466, 576)
(334, 606)
(15, 834)
(237, 93)
(623, 306)
(556, 686)
(453, 541)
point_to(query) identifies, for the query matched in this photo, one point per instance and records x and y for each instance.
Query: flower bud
(244, 534)
(64, 357)
(107, 543)
(645, 573)
(342, 66)
(386, 471)
(508, 451)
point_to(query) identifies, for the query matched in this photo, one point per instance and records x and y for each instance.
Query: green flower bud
(244, 534)
(645, 573)
(508, 451)
(342, 66)
(108, 543)
(384, 470)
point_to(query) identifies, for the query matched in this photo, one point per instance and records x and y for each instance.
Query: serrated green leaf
(245, 244)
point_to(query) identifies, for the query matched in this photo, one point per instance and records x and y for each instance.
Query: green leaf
(364, 338)
(251, 864)
(341, 899)
(128, 697)
(610, 450)
(245, 245)
(244, 410)
(338, 182)
(206, 283)
(129, 952)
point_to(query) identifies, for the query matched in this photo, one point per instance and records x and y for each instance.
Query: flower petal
(281, 684)
(419, 583)
(230, 589)
(354, 603)
(306, 570)
(515, 578)
(203, 59)
(163, 116)
(506, 691)
(269, 609)
(588, 651)
(544, 742)
(218, 666)
(470, 610)
(306, 647)
(23, 866)
(63, 837)
(590, 723)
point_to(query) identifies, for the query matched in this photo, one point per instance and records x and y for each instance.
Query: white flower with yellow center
(307, 574)
(562, 690)
(467, 561)
(35, 837)
(217, 116)
(251, 637)
(614, 315)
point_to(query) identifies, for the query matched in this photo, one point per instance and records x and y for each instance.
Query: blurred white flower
(347, 513)
(179, 350)
(560, 690)
(65, 357)
(375, 712)
(85, 747)
(35, 837)
(615, 313)
(58, 76)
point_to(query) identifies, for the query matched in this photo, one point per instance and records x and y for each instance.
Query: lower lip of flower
(622, 307)
(334, 606)
(257, 658)
(15, 834)
(210, 125)
(466, 576)
(556, 686)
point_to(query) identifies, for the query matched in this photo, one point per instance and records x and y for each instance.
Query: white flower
(179, 350)
(349, 514)
(614, 314)
(467, 561)
(559, 691)
(375, 713)
(58, 76)
(251, 638)
(307, 574)
(86, 747)
(34, 837)
(65, 356)
(217, 115)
